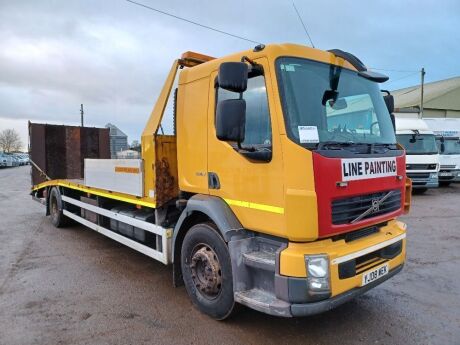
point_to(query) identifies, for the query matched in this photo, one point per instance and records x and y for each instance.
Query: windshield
(423, 144)
(451, 146)
(325, 103)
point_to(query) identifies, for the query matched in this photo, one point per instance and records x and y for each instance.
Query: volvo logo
(375, 205)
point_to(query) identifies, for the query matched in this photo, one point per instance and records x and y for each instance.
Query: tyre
(55, 204)
(444, 183)
(207, 271)
(419, 190)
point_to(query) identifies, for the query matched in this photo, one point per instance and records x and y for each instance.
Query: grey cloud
(114, 56)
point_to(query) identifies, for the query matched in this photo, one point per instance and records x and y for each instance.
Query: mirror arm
(246, 59)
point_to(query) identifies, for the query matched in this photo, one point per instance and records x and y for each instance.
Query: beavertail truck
(275, 191)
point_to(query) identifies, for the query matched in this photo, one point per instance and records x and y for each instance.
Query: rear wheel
(55, 204)
(207, 271)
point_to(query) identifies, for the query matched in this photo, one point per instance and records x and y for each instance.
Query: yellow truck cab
(279, 189)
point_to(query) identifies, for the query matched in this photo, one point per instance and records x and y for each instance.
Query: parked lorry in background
(275, 191)
(447, 132)
(422, 157)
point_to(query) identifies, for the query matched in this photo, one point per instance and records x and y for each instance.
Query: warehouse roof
(442, 94)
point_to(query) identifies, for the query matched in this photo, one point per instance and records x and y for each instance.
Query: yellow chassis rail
(95, 191)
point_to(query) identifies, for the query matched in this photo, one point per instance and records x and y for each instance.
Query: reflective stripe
(94, 192)
(367, 250)
(255, 206)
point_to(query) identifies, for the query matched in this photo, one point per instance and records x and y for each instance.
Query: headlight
(317, 273)
(317, 266)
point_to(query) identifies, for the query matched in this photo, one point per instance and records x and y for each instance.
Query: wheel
(57, 216)
(207, 271)
(419, 190)
(444, 183)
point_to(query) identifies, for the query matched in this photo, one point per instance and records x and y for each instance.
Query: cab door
(253, 188)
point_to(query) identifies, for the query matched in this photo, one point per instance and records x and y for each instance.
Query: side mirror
(443, 147)
(233, 76)
(338, 104)
(230, 120)
(393, 120)
(390, 103)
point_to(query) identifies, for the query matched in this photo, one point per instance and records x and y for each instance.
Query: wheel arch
(199, 209)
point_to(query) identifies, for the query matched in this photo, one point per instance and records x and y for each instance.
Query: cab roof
(271, 51)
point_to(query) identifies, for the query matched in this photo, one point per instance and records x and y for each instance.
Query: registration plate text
(375, 274)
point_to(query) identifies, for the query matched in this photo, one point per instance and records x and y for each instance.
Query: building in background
(128, 154)
(118, 140)
(440, 99)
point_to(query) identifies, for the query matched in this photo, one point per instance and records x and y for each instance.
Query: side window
(258, 130)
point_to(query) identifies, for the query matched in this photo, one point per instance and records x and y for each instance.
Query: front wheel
(207, 271)
(444, 183)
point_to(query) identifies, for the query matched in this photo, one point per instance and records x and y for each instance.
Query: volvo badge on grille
(375, 207)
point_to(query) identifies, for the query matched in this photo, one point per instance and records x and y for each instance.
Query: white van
(447, 132)
(422, 157)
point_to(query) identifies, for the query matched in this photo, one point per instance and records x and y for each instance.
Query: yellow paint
(292, 259)
(96, 191)
(192, 146)
(257, 188)
(148, 141)
(276, 198)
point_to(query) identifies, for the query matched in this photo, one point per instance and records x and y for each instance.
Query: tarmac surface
(75, 286)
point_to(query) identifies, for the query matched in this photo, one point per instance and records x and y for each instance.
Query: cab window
(258, 131)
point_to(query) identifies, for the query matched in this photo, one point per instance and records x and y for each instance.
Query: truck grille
(420, 166)
(345, 210)
(418, 175)
(447, 166)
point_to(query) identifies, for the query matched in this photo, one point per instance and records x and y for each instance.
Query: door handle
(213, 181)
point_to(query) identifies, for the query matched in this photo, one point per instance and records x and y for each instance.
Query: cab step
(262, 259)
(263, 301)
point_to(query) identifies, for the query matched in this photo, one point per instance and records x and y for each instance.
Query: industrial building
(440, 99)
(118, 140)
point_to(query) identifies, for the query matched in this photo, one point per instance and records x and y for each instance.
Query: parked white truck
(422, 156)
(447, 132)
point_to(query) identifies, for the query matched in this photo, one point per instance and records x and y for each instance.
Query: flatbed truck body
(252, 201)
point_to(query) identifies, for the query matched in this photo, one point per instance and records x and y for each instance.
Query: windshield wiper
(336, 145)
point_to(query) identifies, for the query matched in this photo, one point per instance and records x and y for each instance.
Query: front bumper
(308, 309)
(272, 276)
(449, 175)
(423, 179)
(348, 262)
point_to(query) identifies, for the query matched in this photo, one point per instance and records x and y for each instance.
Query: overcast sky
(113, 56)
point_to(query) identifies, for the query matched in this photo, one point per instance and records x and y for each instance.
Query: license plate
(375, 274)
(445, 174)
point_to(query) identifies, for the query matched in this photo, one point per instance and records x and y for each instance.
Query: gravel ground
(74, 286)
